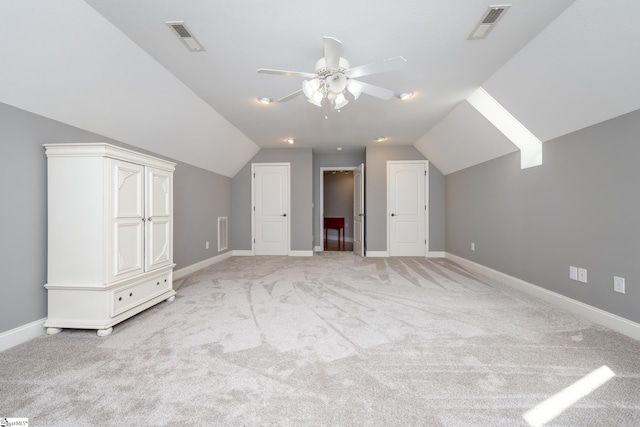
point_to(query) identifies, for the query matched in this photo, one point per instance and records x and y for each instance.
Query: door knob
(393, 214)
(284, 214)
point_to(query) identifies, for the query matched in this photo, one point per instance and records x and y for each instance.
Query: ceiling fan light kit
(334, 77)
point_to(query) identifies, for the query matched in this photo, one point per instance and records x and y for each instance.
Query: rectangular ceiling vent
(183, 33)
(488, 21)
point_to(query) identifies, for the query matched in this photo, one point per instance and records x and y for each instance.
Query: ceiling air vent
(488, 21)
(183, 33)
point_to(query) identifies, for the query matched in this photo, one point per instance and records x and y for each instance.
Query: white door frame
(324, 169)
(426, 201)
(359, 224)
(253, 203)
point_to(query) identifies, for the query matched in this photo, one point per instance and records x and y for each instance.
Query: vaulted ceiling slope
(116, 69)
(581, 70)
(62, 60)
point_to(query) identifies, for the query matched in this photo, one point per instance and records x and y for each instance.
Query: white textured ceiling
(114, 68)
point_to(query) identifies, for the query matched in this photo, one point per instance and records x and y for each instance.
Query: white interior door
(127, 222)
(358, 210)
(407, 208)
(271, 209)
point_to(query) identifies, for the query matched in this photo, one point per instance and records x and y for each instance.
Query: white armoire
(110, 235)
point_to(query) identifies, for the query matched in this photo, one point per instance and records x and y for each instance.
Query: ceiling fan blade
(332, 52)
(288, 73)
(377, 91)
(390, 64)
(291, 95)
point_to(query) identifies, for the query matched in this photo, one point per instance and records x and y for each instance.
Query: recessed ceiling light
(291, 140)
(406, 95)
(265, 100)
(380, 139)
(339, 149)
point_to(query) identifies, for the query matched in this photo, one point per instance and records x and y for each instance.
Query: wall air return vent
(183, 33)
(488, 21)
(223, 233)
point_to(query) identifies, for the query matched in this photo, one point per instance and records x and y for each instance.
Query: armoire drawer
(126, 298)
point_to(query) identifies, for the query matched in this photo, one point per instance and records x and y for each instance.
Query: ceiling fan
(333, 77)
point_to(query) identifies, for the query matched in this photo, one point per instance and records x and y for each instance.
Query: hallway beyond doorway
(333, 245)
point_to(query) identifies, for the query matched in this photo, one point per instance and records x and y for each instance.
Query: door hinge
(254, 240)
(254, 174)
(425, 173)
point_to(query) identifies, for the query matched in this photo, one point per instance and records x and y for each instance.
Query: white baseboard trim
(291, 253)
(318, 249)
(596, 315)
(179, 274)
(377, 254)
(243, 253)
(436, 254)
(22, 334)
(300, 253)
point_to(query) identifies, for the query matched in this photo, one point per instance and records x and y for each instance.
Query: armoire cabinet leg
(104, 332)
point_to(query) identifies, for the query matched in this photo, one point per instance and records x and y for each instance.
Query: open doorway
(336, 208)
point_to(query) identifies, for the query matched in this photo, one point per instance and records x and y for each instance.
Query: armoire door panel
(127, 219)
(158, 227)
(158, 192)
(158, 249)
(128, 256)
(129, 190)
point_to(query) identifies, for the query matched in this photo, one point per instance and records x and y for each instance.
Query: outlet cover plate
(618, 284)
(582, 275)
(573, 273)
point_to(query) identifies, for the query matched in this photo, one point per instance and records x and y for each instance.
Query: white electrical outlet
(206, 245)
(573, 273)
(473, 246)
(582, 275)
(618, 284)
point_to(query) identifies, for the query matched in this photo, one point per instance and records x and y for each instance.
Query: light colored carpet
(326, 340)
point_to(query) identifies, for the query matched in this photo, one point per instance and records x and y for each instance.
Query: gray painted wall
(301, 160)
(199, 197)
(337, 160)
(376, 197)
(580, 208)
(437, 205)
